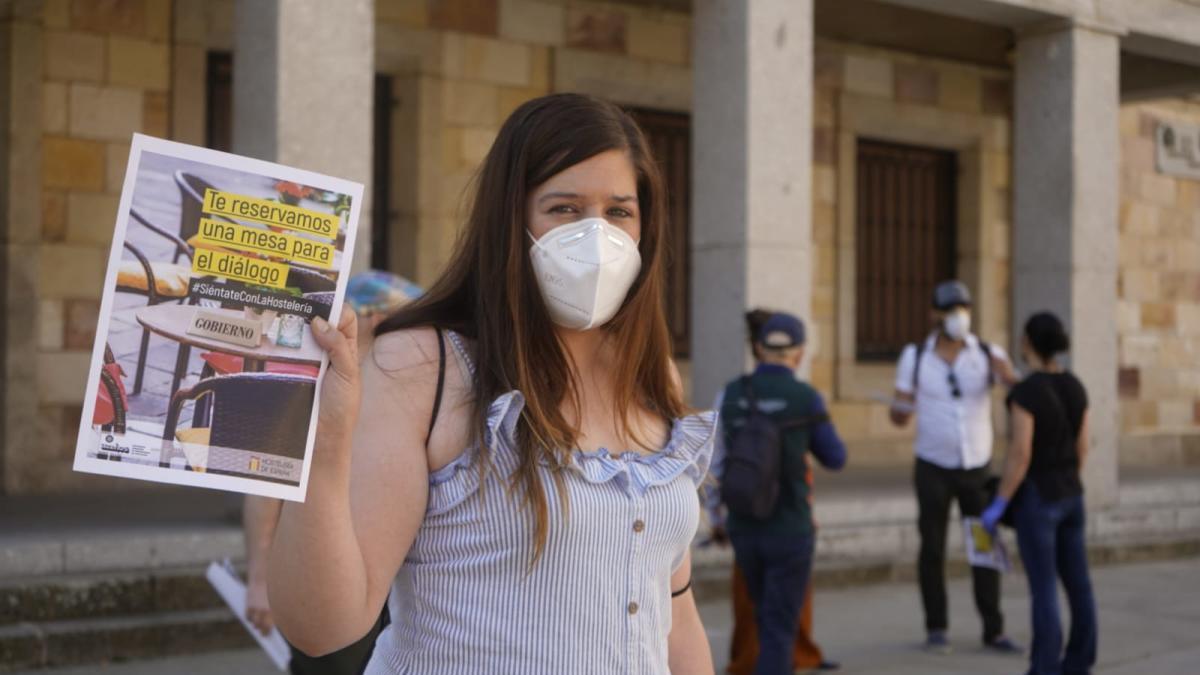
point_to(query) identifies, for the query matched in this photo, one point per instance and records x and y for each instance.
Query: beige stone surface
(156, 114)
(191, 23)
(1157, 189)
(54, 107)
(188, 94)
(72, 56)
(124, 17)
(1174, 414)
(79, 328)
(71, 271)
(1188, 318)
(1141, 218)
(824, 184)
(138, 63)
(56, 13)
(624, 80)
(532, 21)
(116, 158)
(596, 27)
(499, 62)
(410, 13)
(868, 75)
(62, 376)
(91, 218)
(158, 19)
(107, 113)
(54, 215)
(657, 40)
(73, 163)
(960, 90)
(469, 103)
(512, 97)
(476, 142)
(50, 325)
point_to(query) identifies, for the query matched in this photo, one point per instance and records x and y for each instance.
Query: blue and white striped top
(598, 601)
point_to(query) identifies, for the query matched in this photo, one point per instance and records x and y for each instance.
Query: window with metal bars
(904, 241)
(669, 136)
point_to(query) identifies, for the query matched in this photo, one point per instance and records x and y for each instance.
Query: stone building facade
(1046, 112)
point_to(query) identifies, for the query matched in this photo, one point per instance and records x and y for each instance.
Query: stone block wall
(97, 72)
(475, 61)
(924, 98)
(1158, 311)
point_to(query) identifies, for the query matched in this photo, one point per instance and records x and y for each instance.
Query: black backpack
(753, 475)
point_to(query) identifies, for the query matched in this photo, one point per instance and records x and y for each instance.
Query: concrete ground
(1149, 622)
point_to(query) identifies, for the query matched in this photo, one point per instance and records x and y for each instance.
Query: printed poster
(983, 548)
(205, 371)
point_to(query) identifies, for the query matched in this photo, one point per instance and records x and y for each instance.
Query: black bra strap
(441, 381)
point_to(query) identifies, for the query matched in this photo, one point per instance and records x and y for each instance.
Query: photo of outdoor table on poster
(205, 371)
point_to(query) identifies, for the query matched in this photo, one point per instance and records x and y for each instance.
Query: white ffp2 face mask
(957, 324)
(584, 270)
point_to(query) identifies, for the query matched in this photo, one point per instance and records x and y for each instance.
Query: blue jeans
(777, 568)
(1051, 538)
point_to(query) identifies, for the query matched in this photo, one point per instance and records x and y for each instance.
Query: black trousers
(936, 489)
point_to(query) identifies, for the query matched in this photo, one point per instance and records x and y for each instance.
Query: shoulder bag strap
(441, 382)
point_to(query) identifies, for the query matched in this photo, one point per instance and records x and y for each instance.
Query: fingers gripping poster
(205, 371)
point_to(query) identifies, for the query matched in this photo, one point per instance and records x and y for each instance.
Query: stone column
(303, 84)
(752, 164)
(24, 430)
(1065, 230)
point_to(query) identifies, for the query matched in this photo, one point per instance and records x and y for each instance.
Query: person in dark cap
(946, 381)
(771, 422)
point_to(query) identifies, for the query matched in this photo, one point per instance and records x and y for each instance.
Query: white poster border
(142, 143)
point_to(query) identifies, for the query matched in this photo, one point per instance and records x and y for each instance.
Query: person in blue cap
(946, 381)
(771, 421)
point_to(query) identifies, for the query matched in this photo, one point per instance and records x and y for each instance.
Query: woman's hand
(341, 391)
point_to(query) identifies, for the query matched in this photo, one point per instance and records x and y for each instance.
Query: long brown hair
(488, 291)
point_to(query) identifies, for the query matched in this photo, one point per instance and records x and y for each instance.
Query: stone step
(51, 644)
(92, 596)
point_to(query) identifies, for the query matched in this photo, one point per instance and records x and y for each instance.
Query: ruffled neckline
(688, 451)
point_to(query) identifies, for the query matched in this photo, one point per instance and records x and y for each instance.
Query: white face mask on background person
(584, 270)
(957, 324)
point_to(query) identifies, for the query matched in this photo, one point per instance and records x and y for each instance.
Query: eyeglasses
(955, 391)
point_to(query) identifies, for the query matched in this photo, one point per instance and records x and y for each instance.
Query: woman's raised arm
(335, 554)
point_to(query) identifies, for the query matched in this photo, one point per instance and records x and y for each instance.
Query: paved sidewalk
(1149, 622)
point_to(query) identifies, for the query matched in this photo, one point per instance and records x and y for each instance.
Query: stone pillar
(751, 237)
(303, 84)
(23, 430)
(1065, 231)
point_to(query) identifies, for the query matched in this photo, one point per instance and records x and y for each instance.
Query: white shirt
(952, 432)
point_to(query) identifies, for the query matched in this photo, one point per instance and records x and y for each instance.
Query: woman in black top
(1041, 478)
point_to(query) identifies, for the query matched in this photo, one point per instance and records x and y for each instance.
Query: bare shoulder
(404, 352)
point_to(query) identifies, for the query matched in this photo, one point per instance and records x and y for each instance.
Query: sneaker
(1003, 645)
(936, 643)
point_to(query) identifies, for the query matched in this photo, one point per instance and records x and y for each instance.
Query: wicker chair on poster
(158, 281)
(256, 412)
(191, 204)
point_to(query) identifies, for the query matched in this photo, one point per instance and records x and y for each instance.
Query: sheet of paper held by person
(231, 589)
(983, 548)
(204, 371)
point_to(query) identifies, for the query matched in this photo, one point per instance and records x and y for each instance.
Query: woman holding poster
(513, 460)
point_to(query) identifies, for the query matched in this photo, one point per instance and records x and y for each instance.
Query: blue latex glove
(993, 513)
